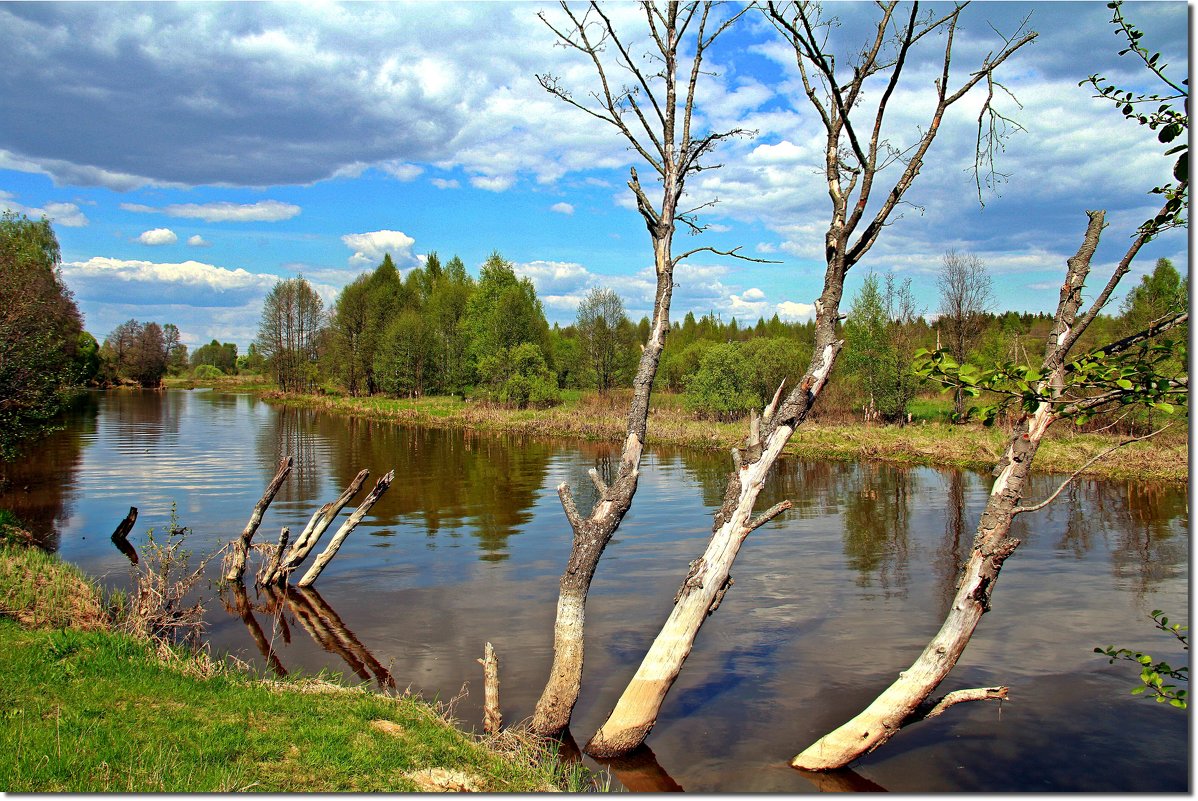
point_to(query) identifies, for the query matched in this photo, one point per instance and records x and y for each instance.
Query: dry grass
(39, 591)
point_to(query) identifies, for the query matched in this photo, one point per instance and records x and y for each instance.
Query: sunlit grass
(87, 709)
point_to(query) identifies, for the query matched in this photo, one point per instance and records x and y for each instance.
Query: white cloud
(445, 183)
(197, 241)
(790, 311)
(193, 283)
(562, 208)
(370, 248)
(67, 215)
(753, 294)
(223, 211)
(158, 236)
(493, 183)
(401, 171)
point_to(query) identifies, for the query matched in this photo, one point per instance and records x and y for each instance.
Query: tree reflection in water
(877, 500)
(315, 616)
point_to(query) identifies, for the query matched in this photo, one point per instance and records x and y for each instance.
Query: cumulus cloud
(562, 208)
(445, 183)
(401, 171)
(223, 211)
(369, 248)
(158, 236)
(790, 311)
(197, 241)
(101, 279)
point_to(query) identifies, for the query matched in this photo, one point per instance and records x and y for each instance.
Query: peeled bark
(349, 525)
(241, 546)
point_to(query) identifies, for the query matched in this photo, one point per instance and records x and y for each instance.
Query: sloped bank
(90, 709)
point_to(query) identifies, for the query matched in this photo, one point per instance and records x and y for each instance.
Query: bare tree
(654, 111)
(289, 332)
(966, 294)
(1064, 391)
(855, 158)
(1065, 387)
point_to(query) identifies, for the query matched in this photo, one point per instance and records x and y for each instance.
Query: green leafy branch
(1170, 123)
(1097, 380)
(1154, 675)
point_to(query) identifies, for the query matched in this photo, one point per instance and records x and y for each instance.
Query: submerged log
(492, 717)
(241, 546)
(349, 525)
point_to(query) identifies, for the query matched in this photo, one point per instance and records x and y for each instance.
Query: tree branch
(1037, 507)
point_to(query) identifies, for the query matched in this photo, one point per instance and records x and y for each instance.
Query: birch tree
(857, 161)
(649, 98)
(1063, 387)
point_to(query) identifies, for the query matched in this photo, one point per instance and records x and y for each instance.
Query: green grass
(100, 711)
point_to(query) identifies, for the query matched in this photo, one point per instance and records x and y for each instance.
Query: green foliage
(40, 332)
(721, 388)
(1156, 111)
(1155, 675)
(207, 371)
(519, 376)
(222, 356)
(880, 332)
(1092, 383)
(404, 360)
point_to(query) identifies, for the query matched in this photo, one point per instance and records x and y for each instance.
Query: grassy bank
(588, 417)
(89, 709)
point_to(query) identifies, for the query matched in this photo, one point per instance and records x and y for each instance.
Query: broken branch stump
(321, 519)
(349, 525)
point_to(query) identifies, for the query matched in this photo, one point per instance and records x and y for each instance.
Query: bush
(721, 388)
(206, 371)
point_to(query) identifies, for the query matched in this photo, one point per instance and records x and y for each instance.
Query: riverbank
(88, 708)
(587, 417)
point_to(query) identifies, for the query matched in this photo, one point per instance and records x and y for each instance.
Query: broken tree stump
(272, 567)
(492, 717)
(321, 519)
(120, 537)
(241, 546)
(349, 525)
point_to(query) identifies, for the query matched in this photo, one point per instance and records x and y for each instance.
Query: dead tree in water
(492, 716)
(855, 157)
(321, 519)
(241, 546)
(1064, 390)
(653, 112)
(349, 525)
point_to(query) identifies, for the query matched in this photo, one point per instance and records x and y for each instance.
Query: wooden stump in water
(492, 717)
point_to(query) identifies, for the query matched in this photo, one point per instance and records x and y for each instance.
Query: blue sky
(191, 155)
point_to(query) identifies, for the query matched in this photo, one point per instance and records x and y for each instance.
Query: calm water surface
(831, 600)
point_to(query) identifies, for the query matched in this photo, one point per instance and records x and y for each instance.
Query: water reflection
(313, 613)
(876, 517)
(474, 543)
(37, 487)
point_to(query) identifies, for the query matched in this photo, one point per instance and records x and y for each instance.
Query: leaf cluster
(1092, 382)
(1171, 123)
(1153, 674)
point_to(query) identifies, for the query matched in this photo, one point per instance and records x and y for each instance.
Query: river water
(832, 599)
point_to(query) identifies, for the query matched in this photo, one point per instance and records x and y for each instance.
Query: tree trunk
(241, 546)
(992, 545)
(349, 525)
(591, 535)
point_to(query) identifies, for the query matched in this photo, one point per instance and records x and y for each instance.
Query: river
(831, 600)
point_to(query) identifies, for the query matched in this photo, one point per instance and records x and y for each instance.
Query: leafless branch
(1036, 507)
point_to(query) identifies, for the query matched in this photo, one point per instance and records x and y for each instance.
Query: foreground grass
(87, 709)
(1164, 458)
